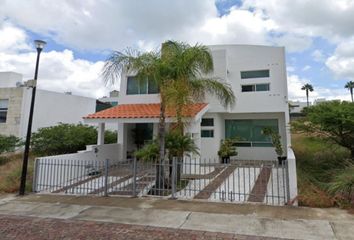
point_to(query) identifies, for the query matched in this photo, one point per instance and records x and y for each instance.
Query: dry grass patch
(10, 173)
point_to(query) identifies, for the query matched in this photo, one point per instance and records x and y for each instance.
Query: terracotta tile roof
(143, 111)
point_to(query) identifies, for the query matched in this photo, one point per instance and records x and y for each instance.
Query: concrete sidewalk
(253, 220)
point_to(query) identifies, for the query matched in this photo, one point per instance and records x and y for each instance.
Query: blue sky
(319, 39)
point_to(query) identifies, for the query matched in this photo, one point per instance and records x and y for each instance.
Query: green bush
(319, 165)
(343, 185)
(9, 143)
(66, 138)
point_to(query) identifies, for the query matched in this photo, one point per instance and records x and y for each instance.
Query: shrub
(9, 143)
(66, 138)
(343, 185)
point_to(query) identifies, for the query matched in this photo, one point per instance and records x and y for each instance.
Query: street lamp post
(39, 46)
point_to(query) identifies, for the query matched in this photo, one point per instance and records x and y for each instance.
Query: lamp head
(39, 44)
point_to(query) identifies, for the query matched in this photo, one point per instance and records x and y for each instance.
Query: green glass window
(132, 86)
(207, 133)
(249, 131)
(142, 86)
(153, 88)
(262, 87)
(207, 122)
(255, 74)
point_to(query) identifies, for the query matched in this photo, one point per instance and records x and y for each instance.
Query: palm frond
(222, 91)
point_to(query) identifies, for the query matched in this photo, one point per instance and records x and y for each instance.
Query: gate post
(35, 175)
(134, 176)
(106, 166)
(287, 181)
(173, 180)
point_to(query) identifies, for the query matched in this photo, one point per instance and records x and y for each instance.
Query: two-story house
(257, 75)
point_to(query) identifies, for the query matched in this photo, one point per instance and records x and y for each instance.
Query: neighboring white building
(50, 108)
(257, 75)
(297, 106)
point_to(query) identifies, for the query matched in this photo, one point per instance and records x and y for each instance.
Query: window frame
(254, 87)
(147, 88)
(253, 128)
(4, 110)
(259, 71)
(207, 131)
(206, 124)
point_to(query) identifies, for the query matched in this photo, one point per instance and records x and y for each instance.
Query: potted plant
(276, 141)
(227, 150)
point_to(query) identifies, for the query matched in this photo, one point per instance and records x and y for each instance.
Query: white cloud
(117, 24)
(12, 39)
(293, 42)
(330, 19)
(59, 71)
(318, 55)
(296, 94)
(294, 88)
(306, 68)
(341, 63)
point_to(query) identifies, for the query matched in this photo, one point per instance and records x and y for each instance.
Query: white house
(257, 75)
(50, 107)
(258, 78)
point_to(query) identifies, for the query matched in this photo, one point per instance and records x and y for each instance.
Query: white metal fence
(237, 181)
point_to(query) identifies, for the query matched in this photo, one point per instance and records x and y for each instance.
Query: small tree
(66, 138)
(332, 120)
(227, 150)
(276, 141)
(9, 143)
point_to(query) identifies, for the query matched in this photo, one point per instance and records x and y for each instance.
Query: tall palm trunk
(351, 93)
(159, 181)
(307, 97)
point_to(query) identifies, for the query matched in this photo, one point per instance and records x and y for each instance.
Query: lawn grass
(318, 163)
(10, 173)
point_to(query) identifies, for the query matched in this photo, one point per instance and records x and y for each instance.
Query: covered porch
(138, 124)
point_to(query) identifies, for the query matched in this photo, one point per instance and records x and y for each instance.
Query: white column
(122, 141)
(100, 135)
(292, 177)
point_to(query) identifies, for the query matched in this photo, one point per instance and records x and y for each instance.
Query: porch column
(100, 135)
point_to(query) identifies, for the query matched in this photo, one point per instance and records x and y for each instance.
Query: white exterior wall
(9, 79)
(229, 61)
(243, 58)
(135, 98)
(52, 108)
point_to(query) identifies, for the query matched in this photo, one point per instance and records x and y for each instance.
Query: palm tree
(350, 85)
(307, 87)
(177, 70)
(191, 65)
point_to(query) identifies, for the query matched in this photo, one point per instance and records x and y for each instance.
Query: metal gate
(235, 181)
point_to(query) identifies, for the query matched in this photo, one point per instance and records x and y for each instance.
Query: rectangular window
(207, 122)
(255, 87)
(249, 132)
(262, 87)
(207, 133)
(133, 86)
(153, 88)
(141, 86)
(247, 88)
(4, 104)
(255, 74)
